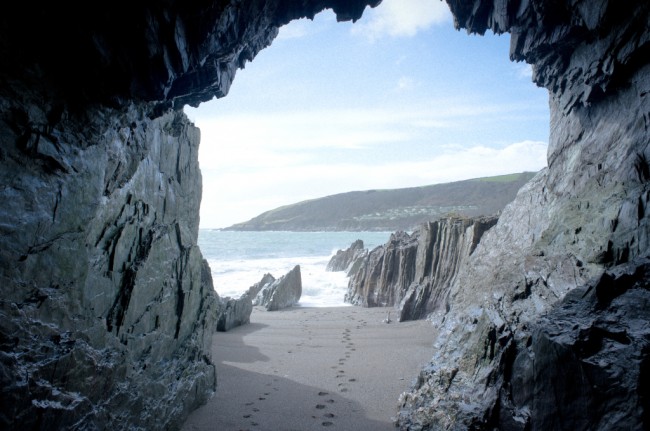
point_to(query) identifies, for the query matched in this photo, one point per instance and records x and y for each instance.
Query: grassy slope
(393, 209)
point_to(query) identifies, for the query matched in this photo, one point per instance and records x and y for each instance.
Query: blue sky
(398, 99)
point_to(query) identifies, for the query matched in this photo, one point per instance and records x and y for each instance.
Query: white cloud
(524, 71)
(401, 18)
(405, 83)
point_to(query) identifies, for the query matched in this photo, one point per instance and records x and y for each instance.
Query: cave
(106, 314)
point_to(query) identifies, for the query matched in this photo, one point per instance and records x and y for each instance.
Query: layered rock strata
(547, 320)
(277, 294)
(105, 321)
(234, 312)
(230, 312)
(348, 259)
(414, 272)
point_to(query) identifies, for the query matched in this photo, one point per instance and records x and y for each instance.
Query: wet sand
(305, 369)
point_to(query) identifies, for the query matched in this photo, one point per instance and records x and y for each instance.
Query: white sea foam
(320, 288)
(240, 259)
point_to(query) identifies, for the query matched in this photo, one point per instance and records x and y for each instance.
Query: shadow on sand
(267, 400)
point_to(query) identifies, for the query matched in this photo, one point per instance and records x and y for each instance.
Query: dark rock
(385, 273)
(230, 312)
(281, 293)
(102, 254)
(414, 272)
(267, 280)
(347, 260)
(234, 312)
(105, 322)
(527, 339)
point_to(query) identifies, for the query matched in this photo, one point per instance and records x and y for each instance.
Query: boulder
(281, 293)
(234, 312)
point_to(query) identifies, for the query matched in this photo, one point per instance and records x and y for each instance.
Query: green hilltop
(392, 209)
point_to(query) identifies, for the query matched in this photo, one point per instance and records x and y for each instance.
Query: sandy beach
(304, 369)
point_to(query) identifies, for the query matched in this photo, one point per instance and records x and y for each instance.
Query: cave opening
(398, 99)
(394, 100)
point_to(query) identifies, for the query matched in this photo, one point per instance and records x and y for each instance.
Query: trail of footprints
(344, 381)
(323, 407)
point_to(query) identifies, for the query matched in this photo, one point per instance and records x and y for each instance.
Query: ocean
(240, 259)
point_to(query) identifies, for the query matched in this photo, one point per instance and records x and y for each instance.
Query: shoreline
(313, 368)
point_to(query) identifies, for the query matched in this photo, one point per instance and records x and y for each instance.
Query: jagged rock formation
(105, 322)
(230, 312)
(104, 319)
(234, 312)
(347, 260)
(414, 272)
(281, 293)
(558, 288)
(254, 290)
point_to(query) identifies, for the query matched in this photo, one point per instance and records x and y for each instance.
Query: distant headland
(391, 209)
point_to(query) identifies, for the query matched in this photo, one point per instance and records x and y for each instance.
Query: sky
(398, 99)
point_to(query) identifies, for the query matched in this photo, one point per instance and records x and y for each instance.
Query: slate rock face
(519, 347)
(414, 272)
(103, 303)
(230, 312)
(281, 293)
(234, 312)
(346, 260)
(105, 319)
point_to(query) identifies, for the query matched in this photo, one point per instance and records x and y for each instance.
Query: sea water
(240, 259)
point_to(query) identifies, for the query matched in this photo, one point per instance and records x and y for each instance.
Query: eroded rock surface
(348, 259)
(414, 272)
(105, 321)
(526, 344)
(230, 312)
(281, 293)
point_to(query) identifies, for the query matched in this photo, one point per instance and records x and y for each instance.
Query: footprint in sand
(328, 424)
(320, 406)
(329, 415)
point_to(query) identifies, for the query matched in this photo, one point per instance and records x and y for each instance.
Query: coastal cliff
(105, 321)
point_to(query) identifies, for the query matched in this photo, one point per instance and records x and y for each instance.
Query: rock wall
(105, 321)
(548, 311)
(103, 306)
(414, 272)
